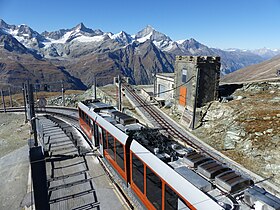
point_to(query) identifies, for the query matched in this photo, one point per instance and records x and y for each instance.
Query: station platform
(75, 178)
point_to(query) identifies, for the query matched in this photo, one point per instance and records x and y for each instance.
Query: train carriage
(160, 187)
(103, 134)
(156, 178)
(155, 183)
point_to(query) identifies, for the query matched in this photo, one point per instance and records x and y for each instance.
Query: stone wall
(197, 82)
(201, 70)
(208, 79)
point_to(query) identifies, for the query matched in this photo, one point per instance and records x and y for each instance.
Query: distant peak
(149, 27)
(180, 41)
(192, 40)
(187, 41)
(123, 33)
(3, 23)
(145, 31)
(80, 26)
(23, 26)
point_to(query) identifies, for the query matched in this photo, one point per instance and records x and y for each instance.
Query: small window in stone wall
(184, 75)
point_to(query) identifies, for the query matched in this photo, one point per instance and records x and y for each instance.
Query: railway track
(162, 122)
(181, 135)
(68, 112)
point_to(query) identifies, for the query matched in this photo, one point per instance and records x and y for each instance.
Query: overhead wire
(177, 86)
(145, 101)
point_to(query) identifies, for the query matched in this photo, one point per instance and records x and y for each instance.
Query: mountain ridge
(135, 56)
(154, 36)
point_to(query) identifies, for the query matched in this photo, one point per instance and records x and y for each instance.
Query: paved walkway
(75, 182)
(14, 168)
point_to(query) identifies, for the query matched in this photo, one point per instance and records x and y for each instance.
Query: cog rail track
(67, 112)
(196, 144)
(169, 128)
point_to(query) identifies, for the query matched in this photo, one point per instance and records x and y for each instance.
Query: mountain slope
(85, 52)
(18, 64)
(263, 71)
(137, 61)
(11, 44)
(234, 60)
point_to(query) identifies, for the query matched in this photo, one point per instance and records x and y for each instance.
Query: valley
(78, 54)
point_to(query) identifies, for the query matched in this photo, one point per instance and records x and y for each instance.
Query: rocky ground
(247, 128)
(14, 161)
(14, 132)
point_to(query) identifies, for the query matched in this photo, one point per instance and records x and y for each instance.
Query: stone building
(196, 81)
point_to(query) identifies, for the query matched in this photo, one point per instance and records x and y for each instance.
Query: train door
(101, 140)
(96, 135)
(92, 131)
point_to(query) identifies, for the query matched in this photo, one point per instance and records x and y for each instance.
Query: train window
(111, 149)
(120, 154)
(102, 137)
(80, 113)
(83, 115)
(138, 173)
(96, 135)
(154, 188)
(171, 199)
(86, 119)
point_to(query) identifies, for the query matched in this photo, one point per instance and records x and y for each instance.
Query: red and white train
(138, 162)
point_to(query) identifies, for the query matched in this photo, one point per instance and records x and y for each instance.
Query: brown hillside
(263, 71)
(16, 68)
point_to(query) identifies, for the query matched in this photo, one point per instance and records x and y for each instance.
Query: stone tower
(197, 81)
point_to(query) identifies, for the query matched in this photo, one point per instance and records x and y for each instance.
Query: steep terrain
(18, 68)
(17, 64)
(267, 70)
(84, 52)
(137, 61)
(247, 128)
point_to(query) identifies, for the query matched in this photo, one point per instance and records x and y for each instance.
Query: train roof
(180, 184)
(96, 105)
(155, 142)
(157, 151)
(104, 123)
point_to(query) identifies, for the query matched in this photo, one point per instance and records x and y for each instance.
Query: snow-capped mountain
(94, 49)
(162, 41)
(122, 37)
(11, 44)
(266, 52)
(24, 34)
(66, 35)
(80, 33)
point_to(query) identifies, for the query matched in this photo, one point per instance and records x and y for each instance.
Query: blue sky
(244, 24)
